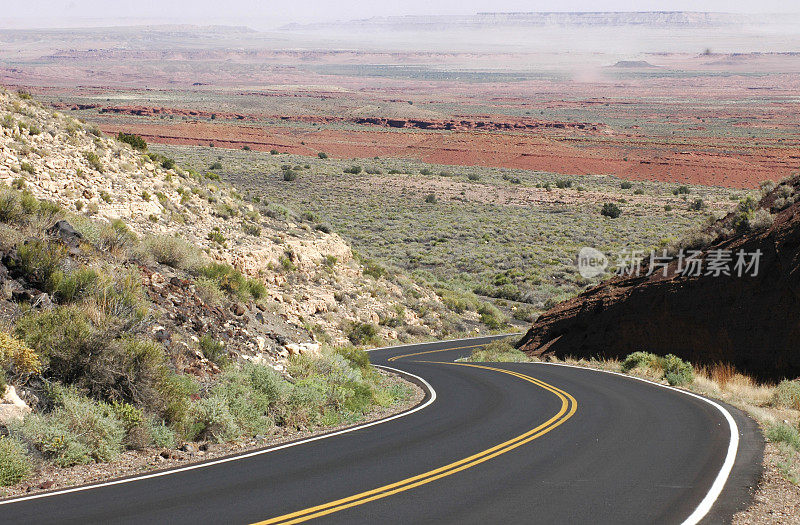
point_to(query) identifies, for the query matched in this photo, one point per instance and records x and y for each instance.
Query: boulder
(12, 408)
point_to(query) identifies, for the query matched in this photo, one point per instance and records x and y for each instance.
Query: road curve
(491, 443)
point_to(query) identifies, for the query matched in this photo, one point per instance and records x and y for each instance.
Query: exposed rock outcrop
(311, 277)
(751, 322)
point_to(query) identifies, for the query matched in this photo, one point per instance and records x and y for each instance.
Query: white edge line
(240, 456)
(722, 477)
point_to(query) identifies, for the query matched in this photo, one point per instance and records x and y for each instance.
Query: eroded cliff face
(749, 321)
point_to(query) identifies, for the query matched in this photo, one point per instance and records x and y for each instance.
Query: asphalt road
(492, 443)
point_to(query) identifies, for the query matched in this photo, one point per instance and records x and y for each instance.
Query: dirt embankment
(750, 321)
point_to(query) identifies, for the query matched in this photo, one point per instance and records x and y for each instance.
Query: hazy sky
(265, 14)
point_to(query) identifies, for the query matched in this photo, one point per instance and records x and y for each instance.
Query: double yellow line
(568, 407)
(395, 358)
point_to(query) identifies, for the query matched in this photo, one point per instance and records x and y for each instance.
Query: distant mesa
(633, 64)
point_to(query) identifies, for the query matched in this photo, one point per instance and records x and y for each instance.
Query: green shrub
(491, 316)
(93, 160)
(525, 313)
(78, 431)
(25, 166)
(231, 280)
(357, 358)
(610, 210)
(39, 260)
(473, 177)
(168, 164)
(15, 465)
(787, 395)
(697, 205)
(216, 165)
(217, 237)
(10, 206)
(626, 185)
(459, 302)
(76, 284)
(354, 170)
(563, 183)
(362, 333)
(213, 350)
(500, 351)
(681, 190)
(374, 269)
(639, 360)
(172, 251)
(322, 155)
(101, 360)
(289, 175)
(135, 141)
(783, 433)
(430, 198)
(162, 435)
(677, 372)
(242, 404)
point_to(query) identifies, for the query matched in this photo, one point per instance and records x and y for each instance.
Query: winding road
(491, 443)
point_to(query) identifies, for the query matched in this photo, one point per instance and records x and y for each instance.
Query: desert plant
(213, 350)
(217, 237)
(39, 260)
(94, 161)
(697, 205)
(322, 155)
(677, 372)
(501, 350)
(15, 464)
(78, 431)
(17, 357)
(362, 333)
(491, 316)
(135, 141)
(787, 395)
(251, 229)
(610, 210)
(681, 190)
(232, 281)
(169, 250)
(638, 360)
(783, 433)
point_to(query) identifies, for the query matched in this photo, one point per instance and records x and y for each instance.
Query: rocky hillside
(312, 282)
(751, 321)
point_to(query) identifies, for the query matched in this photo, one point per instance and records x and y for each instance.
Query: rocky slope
(314, 285)
(751, 322)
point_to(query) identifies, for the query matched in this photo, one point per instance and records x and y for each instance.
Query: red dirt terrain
(751, 322)
(581, 150)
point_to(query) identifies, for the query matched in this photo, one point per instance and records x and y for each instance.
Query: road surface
(491, 443)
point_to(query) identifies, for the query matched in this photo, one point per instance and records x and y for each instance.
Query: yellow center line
(568, 408)
(395, 358)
